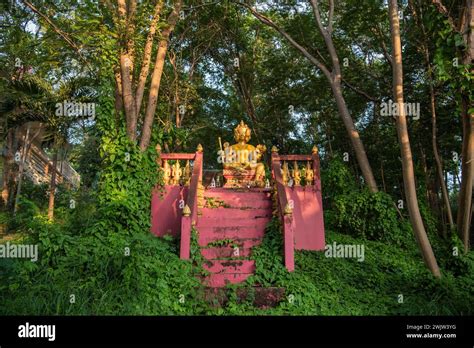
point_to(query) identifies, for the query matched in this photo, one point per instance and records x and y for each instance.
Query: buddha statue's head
(242, 133)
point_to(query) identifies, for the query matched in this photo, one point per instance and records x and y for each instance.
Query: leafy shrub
(368, 215)
(25, 211)
(337, 179)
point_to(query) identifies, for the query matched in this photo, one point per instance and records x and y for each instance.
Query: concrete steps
(231, 223)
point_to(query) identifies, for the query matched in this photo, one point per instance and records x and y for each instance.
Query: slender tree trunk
(21, 168)
(466, 191)
(156, 77)
(127, 94)
(8, 162)
(383, 178)
(402, 131)
(147, 56)
(52, 187)
(437, 157)
(464, 217)
(434, 131)
(354, 138)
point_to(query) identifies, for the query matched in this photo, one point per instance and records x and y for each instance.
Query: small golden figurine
(309, 175)
(296, 174)
(177, 172)
(285, 173)
(166, 172)
(187, 173)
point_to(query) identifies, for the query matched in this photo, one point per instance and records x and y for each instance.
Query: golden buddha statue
(242, 161)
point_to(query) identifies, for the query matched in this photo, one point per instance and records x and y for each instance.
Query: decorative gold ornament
(166, 172)
(274, 149)
(309, 174)
(186, 210)
(296, 174)
(199, 148)
(315, 150)
(177, 173)
(187, 173)
(288, 210)
(285, 173)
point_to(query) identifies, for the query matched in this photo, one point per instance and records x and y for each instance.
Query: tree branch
(60, 32)
(270, 23)
(331, 15)
(147, 56)
(317, 16)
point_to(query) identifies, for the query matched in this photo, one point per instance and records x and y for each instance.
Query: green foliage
(337, 178)
(25, 211)
(322, 285)
(368, 215)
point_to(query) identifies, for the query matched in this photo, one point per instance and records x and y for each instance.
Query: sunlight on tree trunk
(402, 131)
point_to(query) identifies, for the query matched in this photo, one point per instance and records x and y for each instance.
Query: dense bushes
(111, 264)
(339, 286)
(358, 212)
(368, 215)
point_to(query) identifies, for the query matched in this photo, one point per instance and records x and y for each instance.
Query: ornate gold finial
(158, 148)
(199, 148)
(274, 149)
(288, 210)
(186, 210)
(315, 150)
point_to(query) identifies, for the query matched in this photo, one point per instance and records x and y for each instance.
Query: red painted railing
(285, 208)
(190, 211)
(190, 218)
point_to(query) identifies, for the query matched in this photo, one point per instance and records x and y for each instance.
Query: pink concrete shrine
(231, 220)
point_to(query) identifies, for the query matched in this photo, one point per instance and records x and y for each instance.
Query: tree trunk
(21, 168)
(402, 131)
(52, 187)
(8, 162)
(156, 77)
(437, 157)
(465, 195)
(147, 56)
(127, 94)
(434, 131)
(354, 138)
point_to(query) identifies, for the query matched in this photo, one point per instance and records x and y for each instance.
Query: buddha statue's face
(242, 133)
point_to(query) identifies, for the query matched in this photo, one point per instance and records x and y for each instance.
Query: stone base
(239, 179)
